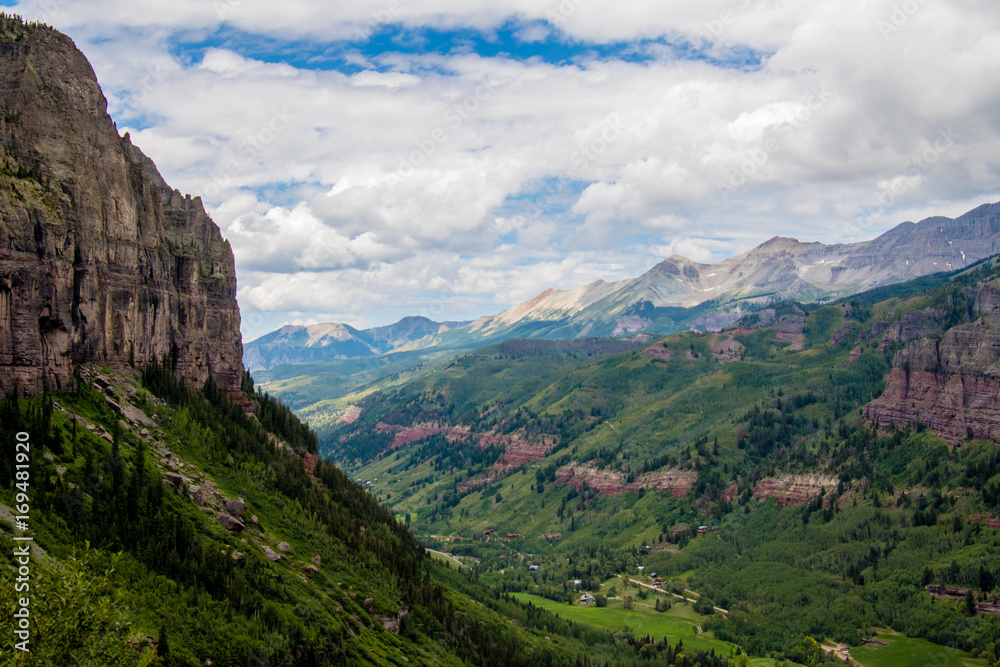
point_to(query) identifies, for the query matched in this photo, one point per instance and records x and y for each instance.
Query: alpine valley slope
(765, 469)
(675, 295)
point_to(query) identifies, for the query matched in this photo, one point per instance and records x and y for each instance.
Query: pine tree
(970, 603)
(117, 467)
(986, 580)
(163, 647)
(136, 483)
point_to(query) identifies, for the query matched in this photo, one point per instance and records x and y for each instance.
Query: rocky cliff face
(100, 260)
(948, 381)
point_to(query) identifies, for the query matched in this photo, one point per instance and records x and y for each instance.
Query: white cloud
(700, 250)
(351, 194)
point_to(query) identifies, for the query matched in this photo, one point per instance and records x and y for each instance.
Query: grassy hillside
(320, 392)
(172, 527)
(819, 524)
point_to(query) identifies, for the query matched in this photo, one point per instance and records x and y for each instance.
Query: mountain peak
(779, 242)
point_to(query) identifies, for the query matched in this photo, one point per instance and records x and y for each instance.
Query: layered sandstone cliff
(949, 381)
(100, 260)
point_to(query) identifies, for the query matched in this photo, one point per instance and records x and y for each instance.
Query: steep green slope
(171, 527)
(819, 524)
(320, 392)
(216, 591)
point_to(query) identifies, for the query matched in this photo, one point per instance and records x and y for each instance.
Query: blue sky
(537, 41)
(370, 159)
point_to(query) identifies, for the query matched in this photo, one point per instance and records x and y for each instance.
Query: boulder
(390, 623)
(196, 494)
(174, 481)
(269, 554)
(310, 570)
(315, 560)
(284, 547)
(236, 507)
(136, 416)
(231, 524)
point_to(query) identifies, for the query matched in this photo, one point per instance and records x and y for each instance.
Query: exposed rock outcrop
(612, 482)
(794, 489)
(100, 260)
(950, 383)
(913, 325)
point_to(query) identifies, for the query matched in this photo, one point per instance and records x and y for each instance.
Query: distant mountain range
(674, 295)
(320, 342)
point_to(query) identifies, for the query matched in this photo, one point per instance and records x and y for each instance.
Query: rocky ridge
(100, 260)
(318, 342)
(777, 270)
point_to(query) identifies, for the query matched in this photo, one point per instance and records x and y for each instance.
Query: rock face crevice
(100, 260)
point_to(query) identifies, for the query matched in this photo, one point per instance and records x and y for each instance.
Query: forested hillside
(175, 527)
(738, 465)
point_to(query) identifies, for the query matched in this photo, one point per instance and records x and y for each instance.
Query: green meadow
(679, 623)
(909, 651)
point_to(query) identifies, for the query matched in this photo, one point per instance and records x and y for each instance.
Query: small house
(532, 568)
(587, 598)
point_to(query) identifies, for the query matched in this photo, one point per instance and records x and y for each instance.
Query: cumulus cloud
(360, 191)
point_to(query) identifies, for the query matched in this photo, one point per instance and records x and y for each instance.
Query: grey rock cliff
(100, 260)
